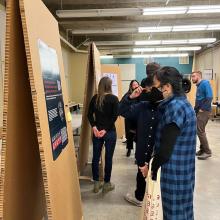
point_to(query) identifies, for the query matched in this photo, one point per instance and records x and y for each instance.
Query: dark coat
(145, 114)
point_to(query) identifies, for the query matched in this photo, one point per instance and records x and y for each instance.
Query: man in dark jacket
(145, 113)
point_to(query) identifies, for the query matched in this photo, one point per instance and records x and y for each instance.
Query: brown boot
(108, 187)
(97, 186)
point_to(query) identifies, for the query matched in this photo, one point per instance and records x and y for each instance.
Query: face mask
(155, 95)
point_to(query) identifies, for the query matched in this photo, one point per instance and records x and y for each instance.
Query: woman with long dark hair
(130, 126)
(102, 114)
(175, 146)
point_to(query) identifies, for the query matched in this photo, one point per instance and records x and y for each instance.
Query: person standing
(102, 114)
(175, 147)
(203, 109)
(130, 126)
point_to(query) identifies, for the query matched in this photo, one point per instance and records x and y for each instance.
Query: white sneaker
(204, 156)
(131, 199)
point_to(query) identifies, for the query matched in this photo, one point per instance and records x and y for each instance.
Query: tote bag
(152, 205)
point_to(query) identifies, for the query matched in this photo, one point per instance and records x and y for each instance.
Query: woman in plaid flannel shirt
(175, 147)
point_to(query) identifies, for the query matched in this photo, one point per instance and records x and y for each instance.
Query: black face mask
(153, 96)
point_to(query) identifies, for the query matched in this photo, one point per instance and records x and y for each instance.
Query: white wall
(127, 74)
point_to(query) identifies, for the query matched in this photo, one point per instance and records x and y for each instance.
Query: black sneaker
(128, 153)
(199, 152)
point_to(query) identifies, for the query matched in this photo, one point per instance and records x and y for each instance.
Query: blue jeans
(109, 139)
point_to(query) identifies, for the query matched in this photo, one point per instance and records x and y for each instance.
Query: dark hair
(172, 76)
(186, 84)
(130, 85)
(147, 82)
(152, 68)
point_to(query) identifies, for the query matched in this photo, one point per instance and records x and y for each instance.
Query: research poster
(54, 98)
(114, 79)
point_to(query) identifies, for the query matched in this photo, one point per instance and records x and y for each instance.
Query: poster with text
(54, 98)
(114, 79)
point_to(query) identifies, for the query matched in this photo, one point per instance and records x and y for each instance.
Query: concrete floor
(113, 206)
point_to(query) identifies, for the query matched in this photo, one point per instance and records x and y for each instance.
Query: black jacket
(145, 113)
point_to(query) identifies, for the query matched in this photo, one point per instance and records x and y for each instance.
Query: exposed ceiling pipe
(71, 46)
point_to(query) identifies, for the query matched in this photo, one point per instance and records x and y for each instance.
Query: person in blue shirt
(202, 108)
(175, 146)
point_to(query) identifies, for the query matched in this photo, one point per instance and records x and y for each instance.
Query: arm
(128, 109)
(91, 111)
(168, 139)
(90, 116)
(207, 101)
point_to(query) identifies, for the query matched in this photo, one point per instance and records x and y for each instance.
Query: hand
(136, 93)
(144, 170)
(200, 110)
(102, 133)
(95, 131)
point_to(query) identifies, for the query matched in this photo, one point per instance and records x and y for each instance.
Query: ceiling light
(148, 42)
(164, 49)
(189, 28)
(161, 49)
(174, 41)
(201, 40)
(160, 55)
(104, 31)
(106, 57)
(110, 12)
(164, 10)
(155, 29)
(189, 48)
(213, 27)
(204, 9)
(143, 49)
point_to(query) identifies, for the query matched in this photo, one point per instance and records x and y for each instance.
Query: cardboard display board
(113, 71)
(93, 76)
(38, 168)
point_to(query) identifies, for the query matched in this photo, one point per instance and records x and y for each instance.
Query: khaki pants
(202, 120)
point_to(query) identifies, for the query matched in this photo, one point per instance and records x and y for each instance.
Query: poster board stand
(93, 75)
(38, 168)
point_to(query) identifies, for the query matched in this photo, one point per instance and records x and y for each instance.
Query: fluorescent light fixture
(179, 28)
(189, 28)
(143, 49)
(189, 48)
(162, 49)
(106, 57)
(103, 31)
(201, 40)
(213, 27)
(155, 29)
(160, 55)
(86, 13)
(180, 41)
(174, 41)
(148, 42)
(203, 9)
(166, 49)
(165, 10)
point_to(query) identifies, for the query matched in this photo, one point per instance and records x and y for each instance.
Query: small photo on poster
(53, 98)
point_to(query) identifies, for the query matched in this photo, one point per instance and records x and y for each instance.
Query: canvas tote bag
(152, 205)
